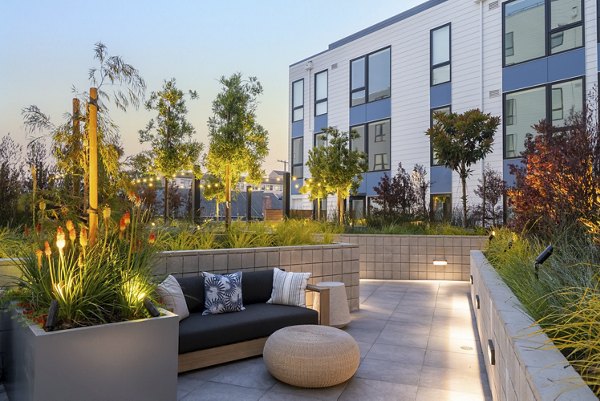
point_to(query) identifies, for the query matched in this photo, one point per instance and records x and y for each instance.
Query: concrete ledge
(526, 367)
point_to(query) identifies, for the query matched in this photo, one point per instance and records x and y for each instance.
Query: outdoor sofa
(206, 340)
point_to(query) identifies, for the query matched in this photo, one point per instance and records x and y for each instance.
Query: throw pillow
(222, 293)
(172, 297)
(288, 288)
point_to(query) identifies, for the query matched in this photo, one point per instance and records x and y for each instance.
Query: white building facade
(523, 60)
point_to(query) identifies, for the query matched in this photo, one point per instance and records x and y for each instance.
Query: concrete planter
(526, 367)
(135, 360)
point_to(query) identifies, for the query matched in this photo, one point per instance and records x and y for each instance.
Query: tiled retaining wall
(336, 262)
(526, 368)
(410, 257)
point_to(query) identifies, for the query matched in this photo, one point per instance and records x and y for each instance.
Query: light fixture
(477, 302)
(441, 262)
(471, 279)
(491, 352)
(294, 178)
(151, 308)
(52, 315)
(296, 186)
(492, 235)
(542, 257)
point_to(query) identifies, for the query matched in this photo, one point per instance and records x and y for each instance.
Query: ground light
(542, 257)
(52, 315)
(151, 308)
(491, 352)
(440, 262)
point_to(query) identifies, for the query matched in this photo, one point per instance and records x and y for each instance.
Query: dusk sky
(46, 47)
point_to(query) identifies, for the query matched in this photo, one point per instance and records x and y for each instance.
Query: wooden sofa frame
(245, 349)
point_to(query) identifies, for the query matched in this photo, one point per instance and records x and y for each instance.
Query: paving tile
(282, 391)
(366, 335)
(364, 348)
(460, 345)
(451, 379)
(433, 394)
(388, 371)
(223, 392)
(374, 390)
(452, 360)
(397, 353)
(250, 373)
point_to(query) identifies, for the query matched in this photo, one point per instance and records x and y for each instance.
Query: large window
(440, 55)
(537, 28)
(375, 140)
(298, 157)
(320, 139)
(370, 77)
(298, 100)
(523, 109)
(321, 93)
(445, 109)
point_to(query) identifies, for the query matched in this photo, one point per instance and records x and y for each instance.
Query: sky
(46, 49)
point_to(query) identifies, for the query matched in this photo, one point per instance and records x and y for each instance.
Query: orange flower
(39, 254)
(47, 249)
(152, 238)
(38, 228)
(127, 218)
(69, 225)
(60, 238)
(26, 231)
(72, 235)
(122, 224)
(83, 237)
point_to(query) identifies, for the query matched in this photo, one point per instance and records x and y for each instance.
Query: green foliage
(12, 242)
(382, 225)
(337, 167)
(11, 176)
(238, 143)
(460, 140)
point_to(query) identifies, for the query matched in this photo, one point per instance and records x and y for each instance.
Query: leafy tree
(395, 196)
(336, 166)
(420, 187)
(557, 183)
(170, 134)
(316, 191)
(213, 189)
(238, 144)
(460, 140)
(491, 187)
(11, 175)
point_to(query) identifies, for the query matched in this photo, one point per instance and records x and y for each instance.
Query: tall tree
(421, 186)
(11, 176)
(491, 187)
(238, 143)
(395, 195)
(171, 135)
(316, 191)
(337, 166)
(461, 140)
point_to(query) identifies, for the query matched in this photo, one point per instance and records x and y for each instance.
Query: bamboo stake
(93, 143)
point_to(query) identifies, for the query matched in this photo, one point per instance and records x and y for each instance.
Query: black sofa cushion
(257, 286)
(199, 332)
(193, 291)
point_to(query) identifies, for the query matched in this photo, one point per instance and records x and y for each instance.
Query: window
(357, 207)
(529, 34)
(320, 139)
(445, 109)
(321, 93)
(441, 206)
(298, 100)
(370, 77)
(376, 144)
(523, 109)
(298, 157)
(440, 55)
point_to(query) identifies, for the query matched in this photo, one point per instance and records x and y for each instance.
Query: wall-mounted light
(477, 302)
(471, 279)
(542, 257)
(440, 262)
(491, 352)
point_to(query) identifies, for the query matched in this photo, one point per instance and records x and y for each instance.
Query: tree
(11, 175)
(492, 187)
(170, 134)
(316, 191)
(395, 196)
(421, 186)
(213, 189)
(336, 166)
(238, 144)
(460, 140)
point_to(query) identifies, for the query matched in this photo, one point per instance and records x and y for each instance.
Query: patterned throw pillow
(169, 292)
(222, 293)
(288, 288)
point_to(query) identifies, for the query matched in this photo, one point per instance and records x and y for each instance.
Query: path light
(441, 262)
(492, 235)
(477, 302)
(542, 257)
(491, 352)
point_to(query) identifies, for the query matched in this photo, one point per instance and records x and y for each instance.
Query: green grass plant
(416, 228)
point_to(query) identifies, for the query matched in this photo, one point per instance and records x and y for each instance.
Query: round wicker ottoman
(311, 355)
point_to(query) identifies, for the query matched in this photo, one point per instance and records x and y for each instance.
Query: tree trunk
(463, 180)
(166, 200)
(340, 203)
(318, 209)
(217, 203)
(77, 134)
(93, 172)
(227, 196)
(483, 210)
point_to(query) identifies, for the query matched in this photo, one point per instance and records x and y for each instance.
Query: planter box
(526, 367)
(135, 360)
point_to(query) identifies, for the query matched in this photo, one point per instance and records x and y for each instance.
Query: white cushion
(172, 297)
(288, 288)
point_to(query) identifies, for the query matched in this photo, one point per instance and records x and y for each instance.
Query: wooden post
(93, 143)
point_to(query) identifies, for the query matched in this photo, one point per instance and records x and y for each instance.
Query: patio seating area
(417, 341)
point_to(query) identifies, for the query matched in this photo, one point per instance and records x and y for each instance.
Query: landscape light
(491, 352)
(477, 302)
(471, 279)
(492, 235)
(151, 308)
(542, 257)
(52, 315)
(440, 262)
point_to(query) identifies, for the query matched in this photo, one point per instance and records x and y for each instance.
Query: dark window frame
(317, 135)
(295, 163)
(294, 107)
(432, 66)
(548, 111)
(365, 140)
(324, 100)
(357, 198)
(366, 77)
(431, 111)
(548, 32)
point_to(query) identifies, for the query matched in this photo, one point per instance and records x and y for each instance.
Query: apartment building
(523, 60)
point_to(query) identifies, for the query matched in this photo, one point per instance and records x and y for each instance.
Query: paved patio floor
(418, 343)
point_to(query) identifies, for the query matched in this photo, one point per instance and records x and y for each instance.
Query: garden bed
(526, 367)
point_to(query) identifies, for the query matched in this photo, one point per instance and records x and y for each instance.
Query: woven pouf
(311, 355)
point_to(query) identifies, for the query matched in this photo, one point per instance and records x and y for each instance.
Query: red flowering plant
(93, 283)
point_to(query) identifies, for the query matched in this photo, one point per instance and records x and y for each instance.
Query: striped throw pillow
(288, 288)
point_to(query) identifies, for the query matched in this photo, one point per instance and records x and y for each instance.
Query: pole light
(542, 257)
